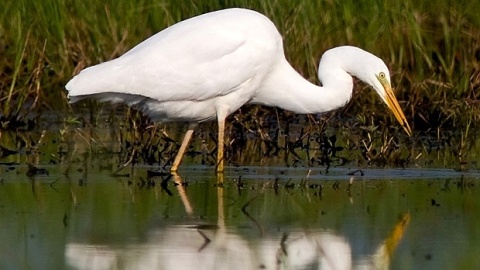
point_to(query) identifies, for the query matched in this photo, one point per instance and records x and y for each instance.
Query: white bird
(207, 67)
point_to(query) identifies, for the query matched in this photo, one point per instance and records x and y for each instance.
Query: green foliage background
(432, 48)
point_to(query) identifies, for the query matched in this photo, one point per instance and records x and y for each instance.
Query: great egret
(208, 66)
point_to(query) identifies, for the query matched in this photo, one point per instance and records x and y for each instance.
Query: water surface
(259, 218)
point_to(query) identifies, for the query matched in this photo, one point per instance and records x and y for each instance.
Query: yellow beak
(392, 103)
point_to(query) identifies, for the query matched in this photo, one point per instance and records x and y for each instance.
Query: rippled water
(259, 218)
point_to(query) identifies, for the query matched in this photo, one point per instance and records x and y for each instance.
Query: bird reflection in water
(199, 246)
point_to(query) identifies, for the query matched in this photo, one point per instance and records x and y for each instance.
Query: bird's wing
(184, 62)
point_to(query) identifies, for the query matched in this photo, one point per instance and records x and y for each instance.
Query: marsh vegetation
(432, 49)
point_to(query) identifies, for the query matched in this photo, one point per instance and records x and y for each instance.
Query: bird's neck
(287, 89)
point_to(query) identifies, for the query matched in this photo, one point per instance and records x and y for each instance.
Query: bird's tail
(100, 82)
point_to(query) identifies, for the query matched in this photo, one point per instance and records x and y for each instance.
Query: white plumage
(207, 67)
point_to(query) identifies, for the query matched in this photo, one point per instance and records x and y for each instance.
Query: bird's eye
(382, 75)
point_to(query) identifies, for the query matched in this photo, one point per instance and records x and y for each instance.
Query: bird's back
(198, 59)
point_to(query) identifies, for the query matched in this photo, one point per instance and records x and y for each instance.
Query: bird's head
(372, 70)
(383, 87)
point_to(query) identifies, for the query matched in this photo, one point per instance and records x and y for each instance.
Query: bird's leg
(183, 147)
(221, 138)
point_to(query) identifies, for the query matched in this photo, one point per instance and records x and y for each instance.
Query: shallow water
(259, 218)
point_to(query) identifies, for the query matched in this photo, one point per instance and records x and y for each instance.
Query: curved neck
(287, 89)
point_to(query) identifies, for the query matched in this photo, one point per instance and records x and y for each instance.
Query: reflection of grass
(432, 49)
(128, 139)
(276, 142)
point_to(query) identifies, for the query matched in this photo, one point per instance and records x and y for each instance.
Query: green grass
(432, 49)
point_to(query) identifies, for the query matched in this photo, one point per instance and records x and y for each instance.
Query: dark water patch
(116, 140)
